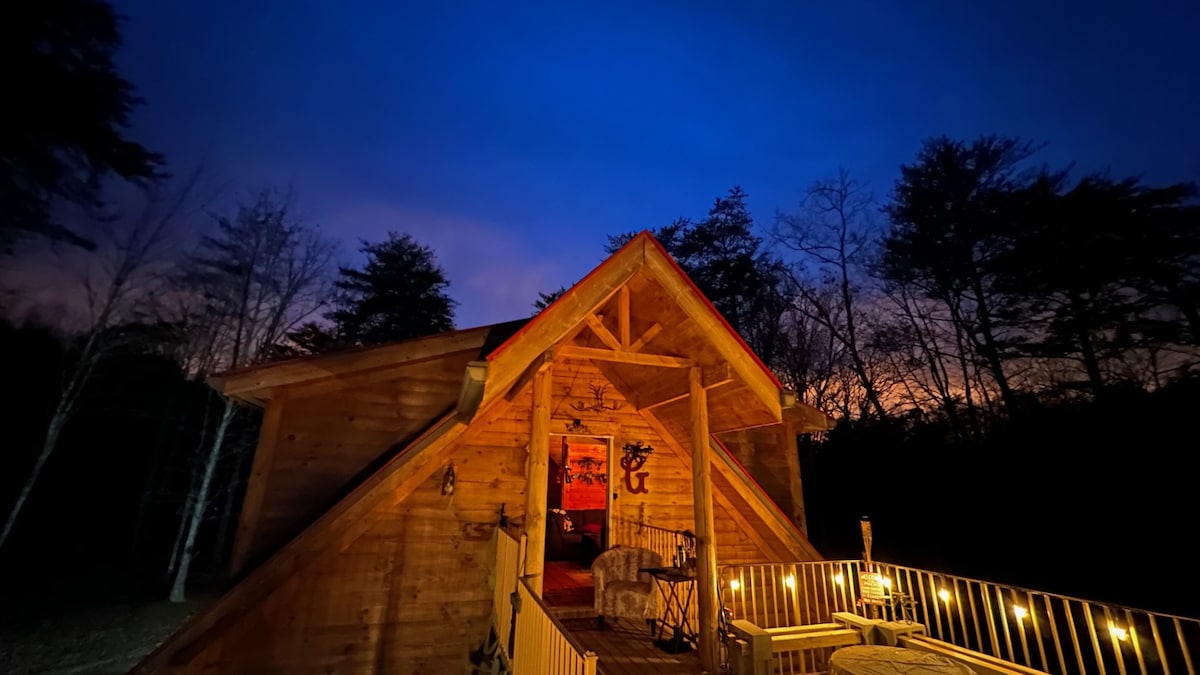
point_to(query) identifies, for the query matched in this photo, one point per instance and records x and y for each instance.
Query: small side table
(676, 587)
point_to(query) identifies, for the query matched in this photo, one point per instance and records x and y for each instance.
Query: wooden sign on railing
(871, 588)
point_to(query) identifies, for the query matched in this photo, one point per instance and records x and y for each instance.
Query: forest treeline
(1010, 348)
(982, 296)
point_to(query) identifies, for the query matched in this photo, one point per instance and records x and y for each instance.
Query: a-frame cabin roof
(636, 309)
(639, 309)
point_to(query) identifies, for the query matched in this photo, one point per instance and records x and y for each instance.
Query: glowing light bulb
(839, 579)
(734, 584)
(944, 595)
(1117, 632)
(887, 583)
(789, 581)
(1020, 612)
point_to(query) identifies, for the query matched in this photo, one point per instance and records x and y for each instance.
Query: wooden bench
(860, 623)
(754, 647)
(983, 664)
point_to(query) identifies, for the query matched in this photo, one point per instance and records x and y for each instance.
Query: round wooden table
(879, 660)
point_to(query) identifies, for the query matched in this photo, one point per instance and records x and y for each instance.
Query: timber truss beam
(671, 391)
(622, 347)
(621, 342)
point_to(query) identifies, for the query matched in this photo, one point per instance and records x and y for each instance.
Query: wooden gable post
(791, 449)
(256, 484)
(537, 476)
(706, 550)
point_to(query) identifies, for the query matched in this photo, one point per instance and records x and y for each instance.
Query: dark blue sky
(513, 136)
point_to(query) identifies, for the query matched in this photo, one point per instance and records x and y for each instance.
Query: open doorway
(577, 515)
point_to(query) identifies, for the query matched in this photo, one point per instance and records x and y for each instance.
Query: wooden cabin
(366, 542)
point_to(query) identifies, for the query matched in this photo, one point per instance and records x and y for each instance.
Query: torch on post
(865, 524)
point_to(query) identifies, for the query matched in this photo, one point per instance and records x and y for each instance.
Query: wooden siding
(764, 454)
(328, 440)
(668, 500)
(410, 595)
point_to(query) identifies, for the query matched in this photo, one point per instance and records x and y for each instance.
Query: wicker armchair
(621, 590)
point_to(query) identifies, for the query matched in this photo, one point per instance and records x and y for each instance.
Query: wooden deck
(624, 648)
(628, 649)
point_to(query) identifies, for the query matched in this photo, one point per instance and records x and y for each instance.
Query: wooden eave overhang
(259, 383)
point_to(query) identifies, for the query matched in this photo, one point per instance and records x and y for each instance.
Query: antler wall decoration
(597, 404)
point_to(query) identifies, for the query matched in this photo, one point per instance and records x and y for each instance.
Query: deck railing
(630, 532)
(509, 553)
(535, 643)
(543, 646)
(1045, 631)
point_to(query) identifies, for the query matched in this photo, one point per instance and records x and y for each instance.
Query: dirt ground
(101, 639)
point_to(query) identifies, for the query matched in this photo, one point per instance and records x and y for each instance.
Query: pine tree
(399, 294)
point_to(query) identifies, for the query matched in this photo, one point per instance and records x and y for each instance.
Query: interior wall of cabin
(577, 485)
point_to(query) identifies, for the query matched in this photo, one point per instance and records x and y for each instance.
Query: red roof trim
(596, 270)
(716, 313)
(646, 235)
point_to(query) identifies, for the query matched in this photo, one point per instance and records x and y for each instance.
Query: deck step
(574, 612)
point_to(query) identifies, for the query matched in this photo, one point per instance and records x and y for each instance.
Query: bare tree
(260, 274)
(806, 358)
(120, 286)
(830, 239)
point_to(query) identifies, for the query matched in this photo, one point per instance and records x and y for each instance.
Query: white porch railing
(1048, 632)
(542, 644)
(537, 644)
(630, 532)
(509, 553)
